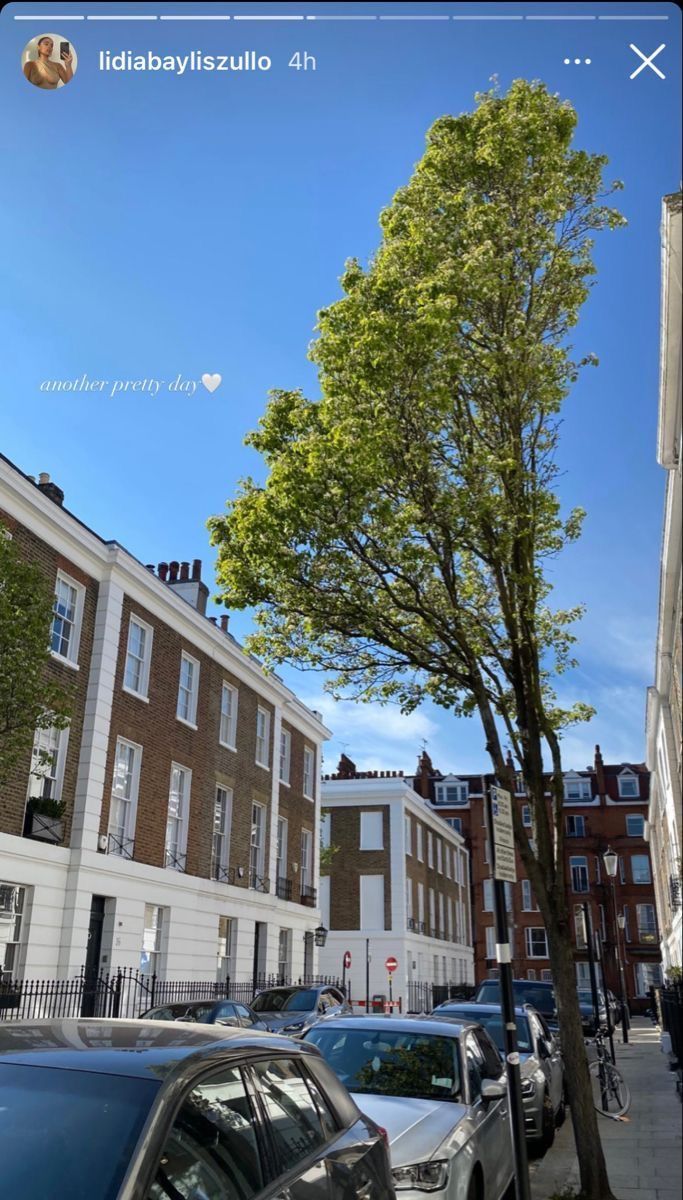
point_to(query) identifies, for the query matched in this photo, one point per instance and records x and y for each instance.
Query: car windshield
(390, 1063)
(286, 1000)
(493, 1024)
(586, 997)
(68, 1133)
(180, 1012)
(542, 998)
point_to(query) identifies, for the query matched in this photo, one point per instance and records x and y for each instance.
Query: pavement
(644, 1155)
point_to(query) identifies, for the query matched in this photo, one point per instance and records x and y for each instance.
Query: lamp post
(320, 935)
(611, 860)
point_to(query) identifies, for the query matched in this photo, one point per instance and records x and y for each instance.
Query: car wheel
(547, 1124)
(474, 1191)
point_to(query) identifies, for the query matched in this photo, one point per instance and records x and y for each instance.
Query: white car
(437, 1087)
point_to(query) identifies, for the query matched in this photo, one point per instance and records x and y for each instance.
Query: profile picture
(49, 61)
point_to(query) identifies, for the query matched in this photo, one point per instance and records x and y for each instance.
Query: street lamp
(611, 860)
(320, 935)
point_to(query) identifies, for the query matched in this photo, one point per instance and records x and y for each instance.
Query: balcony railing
(177, 862)
(222, 874)
(124, 847)
(283, 888)
(309, 895)
(411, 923)
(675, 891)
(259, 883)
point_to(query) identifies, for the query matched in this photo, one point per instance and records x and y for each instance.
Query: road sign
(502, 833)
(391, 964)
(347, 960)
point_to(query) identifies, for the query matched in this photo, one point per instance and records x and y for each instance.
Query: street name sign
(503, 837)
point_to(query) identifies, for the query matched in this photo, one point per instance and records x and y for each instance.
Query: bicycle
(611, 1093)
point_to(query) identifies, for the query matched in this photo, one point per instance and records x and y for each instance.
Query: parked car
(437, 1087)
(541, 1066)
(293, 1010)
(208, 1012)
(609, 1012)
(539, 994)
(144, 1110)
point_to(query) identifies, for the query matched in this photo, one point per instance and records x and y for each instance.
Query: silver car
(541, 1066)
(437, 1087)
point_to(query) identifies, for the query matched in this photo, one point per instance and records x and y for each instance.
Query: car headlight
(528, 1087)
(426, 1176)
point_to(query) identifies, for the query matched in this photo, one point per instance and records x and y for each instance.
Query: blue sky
(156, 225)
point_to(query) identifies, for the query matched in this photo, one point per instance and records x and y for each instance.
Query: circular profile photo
(49, 61)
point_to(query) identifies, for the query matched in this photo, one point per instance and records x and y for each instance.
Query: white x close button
(647, 60)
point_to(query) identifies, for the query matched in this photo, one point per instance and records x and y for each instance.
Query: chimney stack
(189, 586)
(50, 489)
(600, 772)
(224, 622)
(184, 572)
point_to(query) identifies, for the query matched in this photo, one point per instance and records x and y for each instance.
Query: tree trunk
(592, 1166)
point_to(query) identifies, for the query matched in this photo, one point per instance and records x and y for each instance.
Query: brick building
(398, 880)
(188, 778)
(605, 806)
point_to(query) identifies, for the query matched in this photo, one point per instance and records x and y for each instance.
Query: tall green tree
(30, 698)
(401, 539)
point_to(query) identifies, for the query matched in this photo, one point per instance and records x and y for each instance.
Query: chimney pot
(162, 570)
(213, 620)
(184, 571)
(43, 477)
(149, 567)
(50, 489)
(196, 570)
(173, 571)
(224, 622)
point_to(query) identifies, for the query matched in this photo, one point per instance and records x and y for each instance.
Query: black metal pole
(601, 963)
(522, 1188)
(617, 951)
(591, 964)
(367, 976)
(344, 974)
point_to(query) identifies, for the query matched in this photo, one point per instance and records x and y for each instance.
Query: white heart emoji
(211, 382)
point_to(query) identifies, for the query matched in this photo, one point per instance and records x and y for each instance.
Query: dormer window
(628, 786)
(577, 788)
(451, 791)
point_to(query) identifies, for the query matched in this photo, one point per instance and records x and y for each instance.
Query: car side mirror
(493, 1089)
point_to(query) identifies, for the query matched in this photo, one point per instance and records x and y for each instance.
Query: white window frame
(529, 931)
(451, 792)
(528, 899)
(632, 792)
(487, 895)
(227, 722)
(225, 948)
(282, 839)
(420, 902)
(257, 843)
(420, 841)
(123, 843)
(306, 864)
(641, 882)
(142, 691)
(220, 836)
(575, 825)
(153, 925)
(439, 856)
(12, 912)
(284, 953)
(191, 692)
(455, 823)
(372, 830)
(635, 817)
(175, 848)
(55, 742)
(409, 899)
(526, 816)
(647, 930)
(430, 849)
(578, 784)
(490, 935)
(309, 773)
(262, 738)
(408, 834)
(76, 622)
(285, 757)
(579, 863)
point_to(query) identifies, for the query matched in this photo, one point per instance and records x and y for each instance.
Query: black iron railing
(127, 993)
(424, 997)
(259, 883)
(283, 888)
(176, 862)
(222, 874)
(675, 891)
(309, 895)
(124, 847)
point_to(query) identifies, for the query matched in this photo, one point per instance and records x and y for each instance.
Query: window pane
(212, 1149)
(295, 1122)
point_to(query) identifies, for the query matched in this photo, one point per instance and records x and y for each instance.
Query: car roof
(521, 1010)
(534, 983)
(185, 1004)
(430, 1024)
(147, 1049)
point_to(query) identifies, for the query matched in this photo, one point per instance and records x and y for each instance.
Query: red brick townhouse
(606, 807)
(189, 778)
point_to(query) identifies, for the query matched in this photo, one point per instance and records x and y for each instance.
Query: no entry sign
(347, 960)
(391, 964)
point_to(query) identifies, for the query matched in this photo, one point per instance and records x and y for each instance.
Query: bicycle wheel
(611, 1095)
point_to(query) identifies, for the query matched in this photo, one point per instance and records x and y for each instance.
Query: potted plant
(47, 824)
